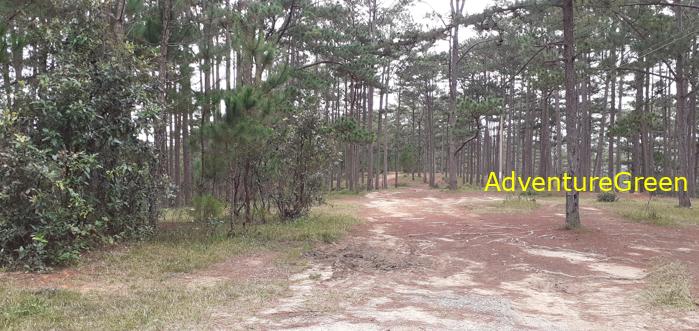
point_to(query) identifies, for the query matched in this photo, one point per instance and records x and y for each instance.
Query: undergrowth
(519, 203)
(134, 286)
(658, 211)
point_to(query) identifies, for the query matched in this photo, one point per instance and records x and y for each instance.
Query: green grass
(660, 211)
(139, 285)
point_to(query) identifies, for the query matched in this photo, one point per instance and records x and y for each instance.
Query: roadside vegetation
(152, 284)
(511, 203)
(658, 211)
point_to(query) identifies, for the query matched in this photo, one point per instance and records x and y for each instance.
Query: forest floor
(419, 259)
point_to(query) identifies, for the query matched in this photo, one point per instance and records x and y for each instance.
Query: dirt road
(426, 259)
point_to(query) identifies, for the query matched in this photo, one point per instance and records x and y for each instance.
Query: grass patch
(606, 197)
(511, 204)
(660, 211)
(344, 192)
(177, 215)
(188, 247)
(310, 229)
(519, 203)
(146, 306)
(139, 285)
(669, 284)
(466, 187)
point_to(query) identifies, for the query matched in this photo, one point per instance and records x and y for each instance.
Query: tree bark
(572, 198)
(545, 144)
(385, 136)
(456, 11)
(597, 170)
(612, 119)
(683, 131)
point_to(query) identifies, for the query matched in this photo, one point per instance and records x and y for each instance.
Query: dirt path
(426, 259)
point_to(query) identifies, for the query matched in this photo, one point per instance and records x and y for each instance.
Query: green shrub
(208, 210)
(73, 171)
(606, 197)
(298, 165)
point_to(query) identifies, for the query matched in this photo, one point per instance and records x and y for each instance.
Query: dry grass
(146, 305)
(332, 301)
(668, 285)
(660, 211)
(138, 286)
(513, 204)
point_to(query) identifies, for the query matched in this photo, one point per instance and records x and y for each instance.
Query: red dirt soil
(428, 259)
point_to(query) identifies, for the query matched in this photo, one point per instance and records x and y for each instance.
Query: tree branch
(472, 46)
(306, 66)
(660, 3)
(475, 135)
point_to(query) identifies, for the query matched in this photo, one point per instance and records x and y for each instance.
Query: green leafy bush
(606, 197)
(298, 165)
(73, 171)
(408, 159)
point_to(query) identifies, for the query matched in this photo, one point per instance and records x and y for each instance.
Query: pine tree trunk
(639, 140)
(385, 136)
(160, 134)
(559, 136)
(612, 119)
(692, 108)
(682, 117)
(456, 8)
(176, 158)
(429, 135)
(585, 128)
(597, 170)
(398, 130)
(186, 159)
(545, 144)
(381, 139)
(370, 151)
(572, 198)
(6, 83)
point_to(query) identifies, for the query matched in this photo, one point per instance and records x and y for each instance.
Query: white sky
(422, 8)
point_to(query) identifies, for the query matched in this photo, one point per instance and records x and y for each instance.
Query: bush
(606, 197)
(208, 210)
(298, 165)
(73, 171)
